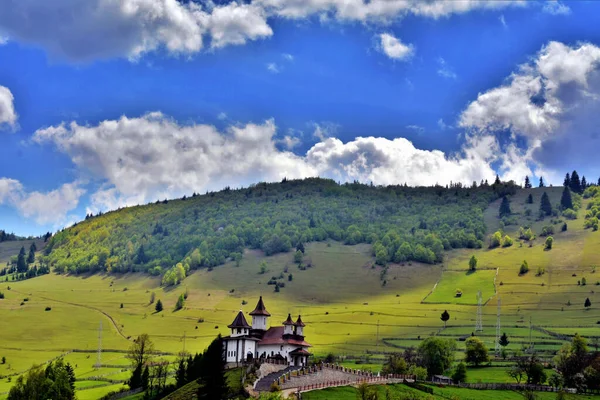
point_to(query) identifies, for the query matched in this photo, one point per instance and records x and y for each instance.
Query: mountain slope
(403, 224)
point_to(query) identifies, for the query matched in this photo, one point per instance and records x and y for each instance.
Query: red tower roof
(289, 321)
(239, 322)
(260, 309)
(299, 322)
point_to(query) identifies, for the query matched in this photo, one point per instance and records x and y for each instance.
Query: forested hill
(402, 223)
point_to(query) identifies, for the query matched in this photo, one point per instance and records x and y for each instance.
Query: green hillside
(403, 224)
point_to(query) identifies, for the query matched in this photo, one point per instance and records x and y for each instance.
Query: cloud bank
(131, 28)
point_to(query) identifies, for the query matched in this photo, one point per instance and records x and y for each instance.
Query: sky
(109, 103)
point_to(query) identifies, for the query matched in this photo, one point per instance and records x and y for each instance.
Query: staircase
(264, 384)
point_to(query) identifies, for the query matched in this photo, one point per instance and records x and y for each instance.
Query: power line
(99, 359)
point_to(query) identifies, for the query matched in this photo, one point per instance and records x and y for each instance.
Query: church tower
(259, 316)
(288, 326)
(299, 327)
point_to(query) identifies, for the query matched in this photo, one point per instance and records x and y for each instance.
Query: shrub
(507, 241)
(569, 214)
(48, 309)
(524, 268)
(548, 243)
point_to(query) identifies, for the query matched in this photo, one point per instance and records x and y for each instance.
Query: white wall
(259, 322)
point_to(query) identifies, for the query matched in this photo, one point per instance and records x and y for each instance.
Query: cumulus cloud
(8, 116)
(555, 7)
(551, 102)
(176, 159)
(131, 28)
(49, 207)
(394, 48)
(272, 67)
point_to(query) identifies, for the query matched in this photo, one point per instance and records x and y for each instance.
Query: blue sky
(100, 111)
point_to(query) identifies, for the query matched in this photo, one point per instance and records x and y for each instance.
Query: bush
(524, 268)
(48, 309)
(507, 241)
(548, 243)
(569, 214)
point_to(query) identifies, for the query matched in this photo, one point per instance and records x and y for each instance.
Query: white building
(285, 343)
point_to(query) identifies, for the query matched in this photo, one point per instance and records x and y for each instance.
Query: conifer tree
(566, 201)
(530, 199)
(545, 206)
(503, 340)
(159, 306)
(21, 263)
(583, 183)
(505, 207)
(587, 303)
(575, 183)
(527, 182)
(567, 181)
(31, 256)
(542, 184)
(212, 373)
(497, 181)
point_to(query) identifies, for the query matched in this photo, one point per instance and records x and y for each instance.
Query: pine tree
(575, 182)
(541, 182)
(21, 263)
(180, 377)
(473, 263)
(497, 181)
(567, 181)
(566, 201)
(584, 183)
(527, 182)
(545, 206)
(503, 340)
(587, 303)
(212, 373)
(159, 306)
(31, 256)
(505, 207)
(530, 199)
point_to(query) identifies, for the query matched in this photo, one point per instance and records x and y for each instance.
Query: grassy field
(341, 299)
(350, 393)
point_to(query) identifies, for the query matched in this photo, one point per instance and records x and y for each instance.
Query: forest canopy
(402, 223)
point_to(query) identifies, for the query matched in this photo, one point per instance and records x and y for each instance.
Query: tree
(152, 297)
(180, 376)
(21, 263)
(212, 372)
(298, 257)
(367, 392)
(541, 182)
(300, 247)
(566, 201)
(529, 367)
(180, 302)
(530, 199)
(504, 207)
(475, 351)
(138, 354)
(445, 317)
(548, 243)
(497, 180)
(473, 263)
(31, 255)
(437, 354)
(159, 306)
(460, 373)
(587, 303)
(575, 183)
(545, 205)
(503, 340)
(524, 268)
(567, 181)
(395, 364)
(584, 183)
(141, 257)
(527, 182)
(56, 382)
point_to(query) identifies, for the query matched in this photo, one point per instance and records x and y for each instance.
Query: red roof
(275, 336)
(239, 322)
(299, 322)
(260, 309)
(288, 321)
(300, 352)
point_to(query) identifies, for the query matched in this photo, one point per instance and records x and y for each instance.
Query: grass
(341, 300)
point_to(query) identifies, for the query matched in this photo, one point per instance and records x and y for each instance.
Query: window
(281, 348)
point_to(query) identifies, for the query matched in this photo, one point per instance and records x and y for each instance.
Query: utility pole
(377, 340)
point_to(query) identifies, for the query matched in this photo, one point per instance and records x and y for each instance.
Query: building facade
(258, 341)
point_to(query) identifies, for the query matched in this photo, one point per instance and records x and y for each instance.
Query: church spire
(260, 309)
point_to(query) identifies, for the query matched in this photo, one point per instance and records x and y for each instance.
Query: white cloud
(3, 40)
(551, 102)
(8, 116)
(441, 124)
(290, 142)
(131, 28)
(503, 21)
(418, 129)
(177, 159)
(394, 48)
(445, 70)
(222, 116)
(272, 67)
(555, 7)
(45, 208)
(288, 57)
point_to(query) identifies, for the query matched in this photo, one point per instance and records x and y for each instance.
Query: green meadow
(347, 308)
